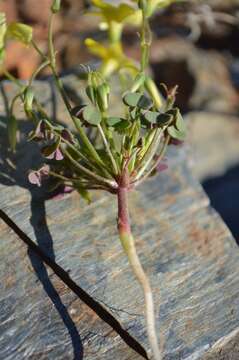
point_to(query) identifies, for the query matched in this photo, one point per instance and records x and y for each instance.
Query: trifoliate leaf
(178, 130)
(137, 100)
(180, 123)
(122, 126)
(161, 119)
(91, 115)
(112, 121)
(131, 99)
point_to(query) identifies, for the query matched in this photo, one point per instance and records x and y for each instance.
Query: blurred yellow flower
(121, 13)
(14, 31)
(112, 56)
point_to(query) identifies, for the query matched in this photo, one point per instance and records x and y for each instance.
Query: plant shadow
(13, 171)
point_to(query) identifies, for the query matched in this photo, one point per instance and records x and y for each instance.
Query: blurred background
(196, 45)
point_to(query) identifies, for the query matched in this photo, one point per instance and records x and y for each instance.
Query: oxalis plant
(115, 154)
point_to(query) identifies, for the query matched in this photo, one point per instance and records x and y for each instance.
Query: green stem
(60, 87)
(36, 72)
(89, 145)
(50, 42)
(39, 51)
(115, 33)
(159, 158)
(12, 78)
(128, 244)
(152, 151)
(114, 164)
(145, 42)
(109, 183)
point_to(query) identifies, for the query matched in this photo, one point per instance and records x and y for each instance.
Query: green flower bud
(56, 6)
(138, 82)
(90, 92)
(28, 99)
(20, 32)
(153, 92)
(103, 96)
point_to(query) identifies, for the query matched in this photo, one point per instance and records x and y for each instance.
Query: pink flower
(36, 177)
(62, 190)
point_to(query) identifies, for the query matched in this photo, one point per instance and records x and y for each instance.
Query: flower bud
(138, 82)
(90, 92)
(56, 6)
(153, 92)
(103, 96)
(28, 99)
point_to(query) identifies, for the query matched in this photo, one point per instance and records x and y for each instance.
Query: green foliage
(91, 115)
(138, 100)
(96, 154)
(178, 130)
(159, 119)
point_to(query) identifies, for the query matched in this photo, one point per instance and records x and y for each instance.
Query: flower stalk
(128, 243)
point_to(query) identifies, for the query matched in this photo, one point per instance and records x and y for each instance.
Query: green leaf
(176, 134)
(112, 121)
(178, 130)
(20, 32)
(84, 193)
(131, 99)
(91, 115)
(12, 132)
(164, 119)
(151, 116)
(137, 100)
(122, 126)
(161, 119)
(144, 103)
(134, 113)
(180, 123)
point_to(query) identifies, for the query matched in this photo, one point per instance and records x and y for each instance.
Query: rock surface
(190, 255)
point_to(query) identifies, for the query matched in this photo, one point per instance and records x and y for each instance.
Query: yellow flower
(153, 5)
(113, 58)
(122, 13)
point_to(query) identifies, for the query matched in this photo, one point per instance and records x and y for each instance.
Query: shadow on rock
(13, 171)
